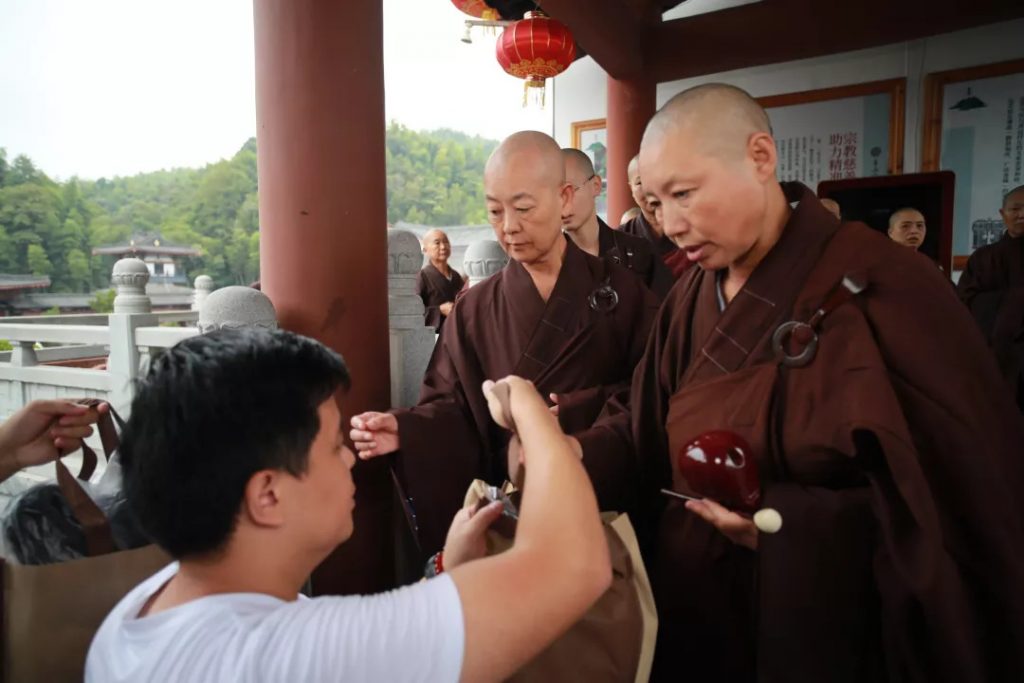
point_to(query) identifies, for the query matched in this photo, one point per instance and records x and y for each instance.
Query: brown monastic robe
(637, 255)
(673, 256)
(575, 345)
(992, 286)
(435, 289)
(892, 458)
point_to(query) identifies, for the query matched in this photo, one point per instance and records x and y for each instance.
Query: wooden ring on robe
(604, 299)
(783, 332)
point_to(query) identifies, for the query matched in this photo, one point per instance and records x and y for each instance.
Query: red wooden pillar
(323, 240)
(631, 104)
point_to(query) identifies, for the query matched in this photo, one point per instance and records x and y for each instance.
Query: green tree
(38, 261)
(103, 301)
(79, 271)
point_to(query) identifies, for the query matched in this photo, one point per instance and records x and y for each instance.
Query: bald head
(832, 206)
(528, 148)
(907, 227)
(725, 117)
(1013, 211)
(633, 169)
(432, 235)
(578, 161)
(527, 196)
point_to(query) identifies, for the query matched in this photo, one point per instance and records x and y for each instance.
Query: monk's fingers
(737, 528)
(358, 435)
(554, 398)
(56, 407)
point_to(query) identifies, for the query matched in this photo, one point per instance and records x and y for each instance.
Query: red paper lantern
(477, 8)
(535, 49)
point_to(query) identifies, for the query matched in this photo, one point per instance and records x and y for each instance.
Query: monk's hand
(554, 404)
(374, 434)
(43, 430)
(467, 539)
(446, 308)
(737, 528)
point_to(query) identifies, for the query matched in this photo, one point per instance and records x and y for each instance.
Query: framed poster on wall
(850, 131)
(974, 126)
(591, 137)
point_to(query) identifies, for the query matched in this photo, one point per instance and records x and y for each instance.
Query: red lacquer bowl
(721, 465)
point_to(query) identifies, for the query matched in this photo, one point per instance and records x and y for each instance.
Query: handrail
(59, 334)
(162, 337)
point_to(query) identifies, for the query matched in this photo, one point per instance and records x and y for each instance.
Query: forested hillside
(50, 228)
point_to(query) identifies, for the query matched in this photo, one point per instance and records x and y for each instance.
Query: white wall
(581, 92)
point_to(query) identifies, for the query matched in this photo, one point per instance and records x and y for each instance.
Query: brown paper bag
(50, 613)
(614, 641)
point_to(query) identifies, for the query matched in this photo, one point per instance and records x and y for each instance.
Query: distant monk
(874, 421)
(992, 286)
(569, 322)
(437, 284)
(645, 225)
(592, 235)
(629, 214)
(832, 206)
(907, 228)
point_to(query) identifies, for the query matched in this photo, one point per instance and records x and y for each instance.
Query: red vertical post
(323, 239)
(631, 104)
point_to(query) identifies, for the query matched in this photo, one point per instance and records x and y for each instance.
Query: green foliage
(103, 302)
(47, 228)
(52, 310)
(38, 261)
(5, 345)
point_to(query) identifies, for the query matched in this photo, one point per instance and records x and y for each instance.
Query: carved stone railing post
(236, 307)
(412, 341)
(483, 259)
(132, 309)
(203, 288)
(130, 278)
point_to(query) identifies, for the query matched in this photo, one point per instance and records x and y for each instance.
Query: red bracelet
(439, 562)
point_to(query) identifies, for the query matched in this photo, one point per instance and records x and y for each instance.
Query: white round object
(768, 520)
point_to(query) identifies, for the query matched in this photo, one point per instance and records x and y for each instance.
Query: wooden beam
(785, 30)
(608, 30)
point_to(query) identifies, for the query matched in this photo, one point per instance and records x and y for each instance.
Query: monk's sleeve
(440, 450)
(981, 288)
(660, 278)
(944, 459)
(609, 452)
(431, 314)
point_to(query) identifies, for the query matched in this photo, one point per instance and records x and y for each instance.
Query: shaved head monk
(832, 206)
(870, 406)
(907, 227)
(570, 322)
(437, 284)
(992, 286)
(592, 235)
(646, 225)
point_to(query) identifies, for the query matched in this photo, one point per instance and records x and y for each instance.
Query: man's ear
(568, 193)
(761, 150)
(263, 504)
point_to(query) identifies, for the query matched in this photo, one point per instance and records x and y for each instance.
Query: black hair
(212, 411)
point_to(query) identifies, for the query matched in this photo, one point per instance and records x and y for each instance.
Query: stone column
(631, 104)
(483, 259)
(412, 342)
(132, 309)
(203, 287)
(323, 246)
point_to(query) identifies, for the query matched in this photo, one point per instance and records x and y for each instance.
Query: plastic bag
(40, 528)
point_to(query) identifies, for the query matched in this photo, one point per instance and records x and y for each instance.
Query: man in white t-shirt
(235, 464)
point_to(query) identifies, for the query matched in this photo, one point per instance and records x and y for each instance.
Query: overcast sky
(114, 87)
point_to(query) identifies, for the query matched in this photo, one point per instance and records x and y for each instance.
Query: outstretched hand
(737, 528)
(374, 434)
(42, 431)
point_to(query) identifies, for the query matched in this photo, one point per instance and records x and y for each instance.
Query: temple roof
(146, 244)
(14, 282)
